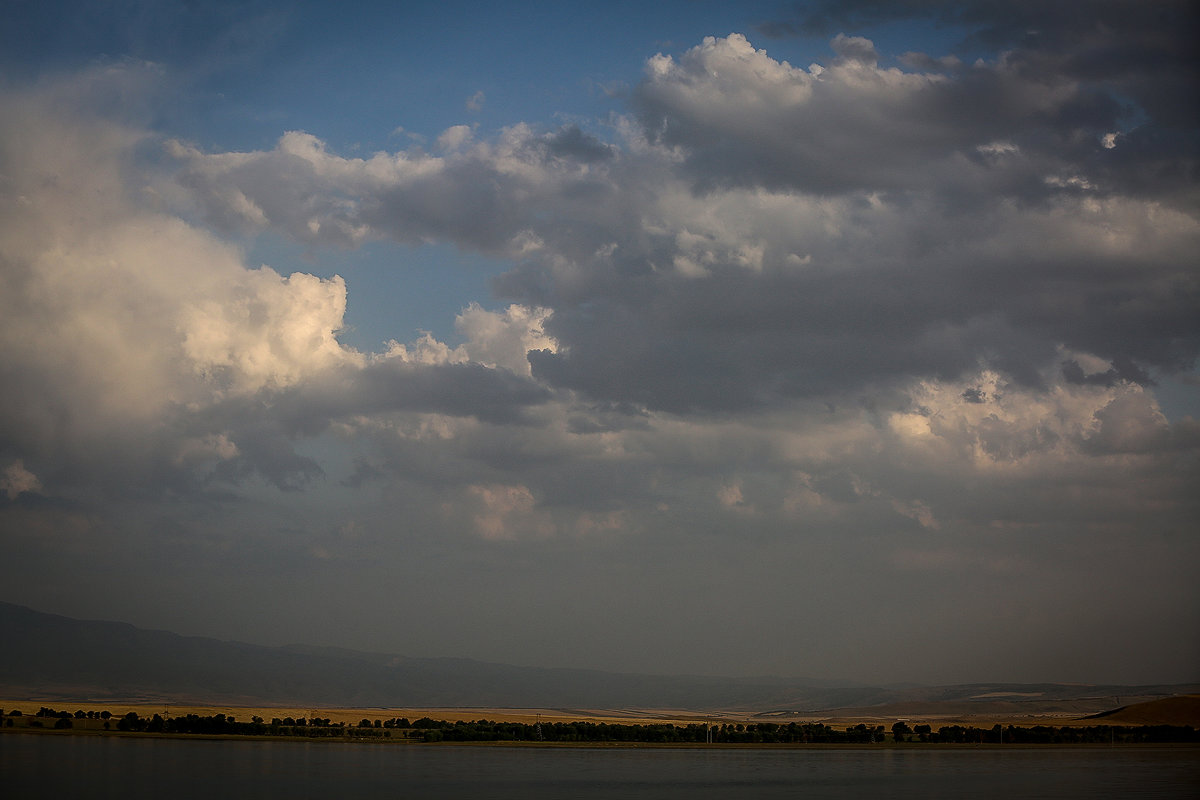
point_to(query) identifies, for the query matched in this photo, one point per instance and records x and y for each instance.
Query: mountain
(54, 657)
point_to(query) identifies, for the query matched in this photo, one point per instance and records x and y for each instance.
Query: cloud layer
(795, 231)
(781, 334)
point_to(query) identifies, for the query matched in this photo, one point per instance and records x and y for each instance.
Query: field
(1182, 710)
(354, 715)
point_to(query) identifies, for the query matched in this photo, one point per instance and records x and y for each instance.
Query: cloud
(505, 338)
(454, 138)
(506, 512)
(926, 234)
(16, 480)
(1146, 57)
(855, 49)
(573, 143)
(827, 331)
(793, 232)
(141, 351)
(465, 195)
(266, 331)
(742, 118)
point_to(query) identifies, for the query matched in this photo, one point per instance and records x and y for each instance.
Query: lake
(110, 766)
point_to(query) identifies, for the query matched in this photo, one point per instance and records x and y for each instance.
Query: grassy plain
(1176, 710)
(354, 715)
(1183, 710)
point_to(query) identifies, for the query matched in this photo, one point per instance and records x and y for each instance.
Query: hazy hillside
(50, 656)
(54, 656)
(1184, 710)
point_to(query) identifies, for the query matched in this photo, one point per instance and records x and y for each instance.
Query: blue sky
(603, 334)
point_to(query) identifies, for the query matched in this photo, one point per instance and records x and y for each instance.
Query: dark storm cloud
(492, 395)
(225, 443)
(974, 395)
(769, 232)
(854, 127)
(1124, 371)
(728, 344)
(964, 264)
(736, 341)
(1145, 51)
(571, 142)
(265, 428)
(1126, 428)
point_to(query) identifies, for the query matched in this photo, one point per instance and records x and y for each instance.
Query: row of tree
(1047, 734)
(431, 730)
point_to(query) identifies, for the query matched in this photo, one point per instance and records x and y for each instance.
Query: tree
(130, 722)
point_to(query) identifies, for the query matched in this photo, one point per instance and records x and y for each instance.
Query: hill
(51, 656)
(1183, 710)
(54, 657)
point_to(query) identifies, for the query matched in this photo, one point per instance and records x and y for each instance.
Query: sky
(846, 340)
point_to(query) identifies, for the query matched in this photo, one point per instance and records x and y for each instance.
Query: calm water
(87, 766)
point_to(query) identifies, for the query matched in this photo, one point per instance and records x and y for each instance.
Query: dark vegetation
(432, 730)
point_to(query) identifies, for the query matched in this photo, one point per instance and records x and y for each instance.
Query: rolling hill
(47, 656)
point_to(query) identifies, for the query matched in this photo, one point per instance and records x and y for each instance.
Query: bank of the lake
(429, 730)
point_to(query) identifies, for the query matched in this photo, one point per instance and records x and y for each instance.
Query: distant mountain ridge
(50, 656)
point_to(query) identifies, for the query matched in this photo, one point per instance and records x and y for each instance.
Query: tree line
(426, 729)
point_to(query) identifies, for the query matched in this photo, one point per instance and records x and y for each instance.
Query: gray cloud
(768, 232)
(572, 143)
(1144, 54)
(143, 357)
(465, 195)
(838, 335)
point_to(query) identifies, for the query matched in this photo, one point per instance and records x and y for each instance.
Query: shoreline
(837, 718)
(347, 740)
